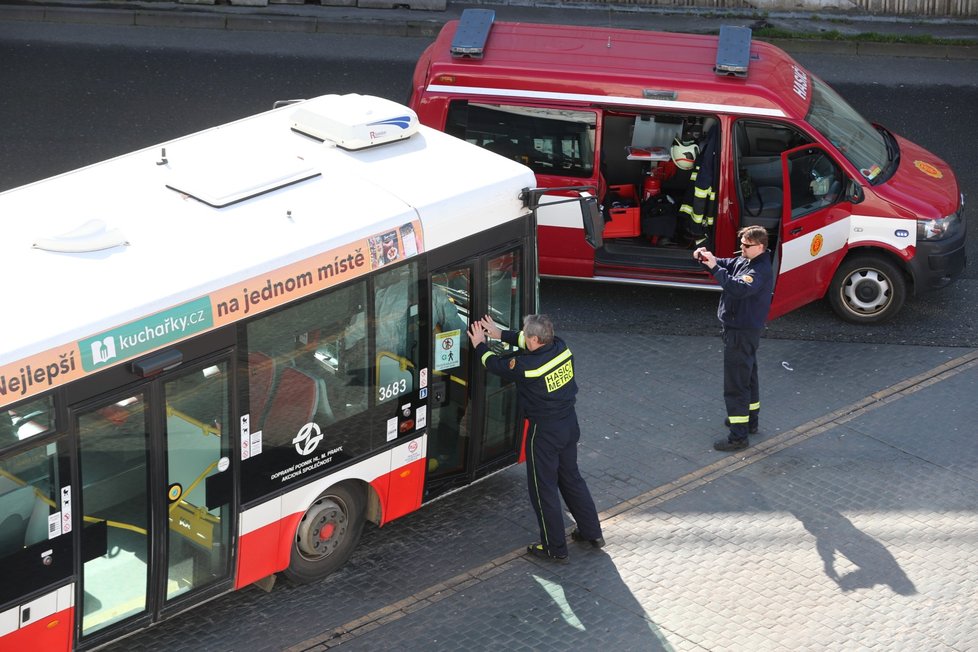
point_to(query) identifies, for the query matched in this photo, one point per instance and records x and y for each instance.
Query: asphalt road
(74, 95)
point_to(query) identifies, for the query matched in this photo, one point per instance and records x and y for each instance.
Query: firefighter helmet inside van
(684, 154)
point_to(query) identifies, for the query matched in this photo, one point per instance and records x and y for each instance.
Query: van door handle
(796, 231)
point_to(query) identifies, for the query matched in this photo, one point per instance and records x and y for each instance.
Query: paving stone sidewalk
(859, 537)
(851, 523)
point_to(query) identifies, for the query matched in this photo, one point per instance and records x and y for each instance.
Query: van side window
(816, 181)
(549, 141)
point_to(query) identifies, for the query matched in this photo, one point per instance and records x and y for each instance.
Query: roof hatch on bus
(354, 121)
(235, 175)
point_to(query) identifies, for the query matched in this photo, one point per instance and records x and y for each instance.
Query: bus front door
(472, 425)
(154, 466)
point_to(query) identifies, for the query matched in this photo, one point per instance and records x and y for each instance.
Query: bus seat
(16, 512)
(37, 524)
(261, 376)
(324, 412)
(292, 406)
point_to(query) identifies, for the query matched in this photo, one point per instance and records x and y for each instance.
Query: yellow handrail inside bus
(205, 428)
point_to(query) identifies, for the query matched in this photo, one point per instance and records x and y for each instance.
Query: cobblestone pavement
(850, 523)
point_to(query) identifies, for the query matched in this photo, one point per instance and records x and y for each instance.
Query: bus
(225, 353)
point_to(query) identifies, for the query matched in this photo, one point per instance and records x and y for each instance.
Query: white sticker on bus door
(448, 346)
(245, 437)
(65, 510)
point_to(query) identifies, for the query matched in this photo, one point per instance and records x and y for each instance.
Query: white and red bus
(855, 213)
(222, 355)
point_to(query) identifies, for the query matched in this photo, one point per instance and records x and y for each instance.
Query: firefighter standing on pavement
(747, 283)
(544, 377)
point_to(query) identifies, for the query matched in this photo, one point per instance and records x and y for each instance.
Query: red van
(687, 138)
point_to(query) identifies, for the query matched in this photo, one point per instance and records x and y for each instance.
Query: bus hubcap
(322, 528)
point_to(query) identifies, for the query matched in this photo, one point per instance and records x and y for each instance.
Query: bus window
(31, 520)
(113, 461)
(396, 332)
(198, 509)
(308, 364)
(26, 420)
(449, 427)
(505, 290)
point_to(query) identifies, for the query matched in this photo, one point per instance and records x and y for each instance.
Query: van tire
(867, 289)
(327, 534)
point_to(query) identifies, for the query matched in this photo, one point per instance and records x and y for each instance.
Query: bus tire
(327, 534)
(867, 289)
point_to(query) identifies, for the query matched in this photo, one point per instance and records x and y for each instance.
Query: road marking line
(652, 498)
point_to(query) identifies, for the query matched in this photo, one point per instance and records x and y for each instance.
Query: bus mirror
(593, 220)
(591, 217)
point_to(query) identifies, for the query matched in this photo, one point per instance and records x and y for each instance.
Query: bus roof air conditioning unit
(354, 121)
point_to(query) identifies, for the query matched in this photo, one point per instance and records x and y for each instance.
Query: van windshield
(856, 139)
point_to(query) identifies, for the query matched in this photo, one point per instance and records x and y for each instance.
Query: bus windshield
(854, 137)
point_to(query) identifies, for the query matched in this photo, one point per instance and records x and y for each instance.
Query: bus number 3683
(388, 392)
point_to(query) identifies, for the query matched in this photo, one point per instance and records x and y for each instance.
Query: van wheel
(327, 534)
(867, 290)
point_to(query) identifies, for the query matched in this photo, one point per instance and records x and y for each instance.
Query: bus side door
(472, 423)
(36, 529)
(155, 474)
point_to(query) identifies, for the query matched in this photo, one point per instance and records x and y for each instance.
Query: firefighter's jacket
(700, 202)
(544, 378)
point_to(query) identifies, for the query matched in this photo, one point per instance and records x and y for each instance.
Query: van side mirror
(854, 193)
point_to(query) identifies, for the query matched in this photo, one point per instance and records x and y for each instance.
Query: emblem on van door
(817, 242)
(928, 169)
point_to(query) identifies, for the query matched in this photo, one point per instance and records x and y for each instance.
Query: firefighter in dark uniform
(544, 375)
(747, 282)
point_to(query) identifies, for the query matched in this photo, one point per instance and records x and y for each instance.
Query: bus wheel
(867, 289)
(327, 534)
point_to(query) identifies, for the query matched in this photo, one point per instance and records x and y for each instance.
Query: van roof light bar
(472, 33)
(733, 51)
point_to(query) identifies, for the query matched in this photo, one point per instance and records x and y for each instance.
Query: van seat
(763, 206)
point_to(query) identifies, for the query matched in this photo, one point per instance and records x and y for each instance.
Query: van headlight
(940, 229)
